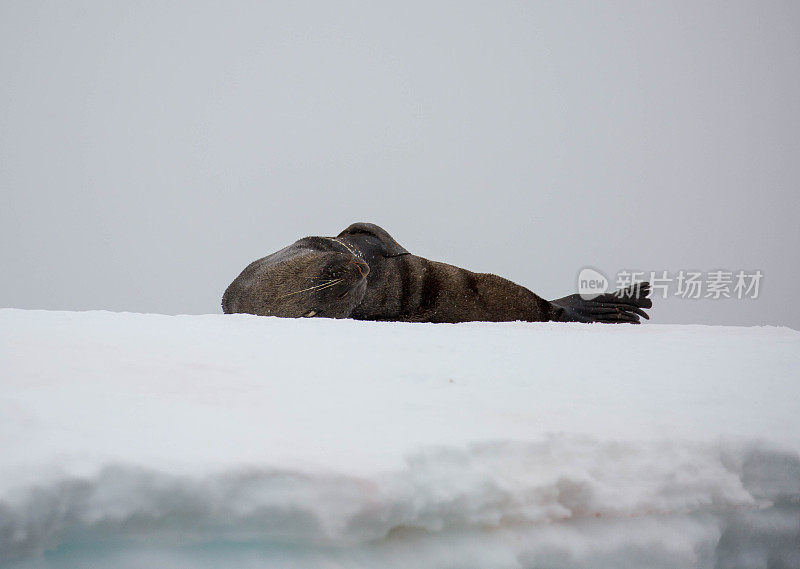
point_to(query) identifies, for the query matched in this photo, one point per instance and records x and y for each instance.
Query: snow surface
(137, 440)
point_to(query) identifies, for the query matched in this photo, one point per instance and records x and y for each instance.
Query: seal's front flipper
(623, 306)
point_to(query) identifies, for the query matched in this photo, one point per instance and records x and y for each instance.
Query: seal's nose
(362, 267)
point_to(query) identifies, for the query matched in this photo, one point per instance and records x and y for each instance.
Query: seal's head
(312, 277)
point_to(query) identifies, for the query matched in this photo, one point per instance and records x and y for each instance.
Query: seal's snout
(362, 267)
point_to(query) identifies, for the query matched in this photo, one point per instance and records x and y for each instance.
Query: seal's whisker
(316, 287)
(330, 284)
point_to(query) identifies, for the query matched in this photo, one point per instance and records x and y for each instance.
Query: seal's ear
(391, 248)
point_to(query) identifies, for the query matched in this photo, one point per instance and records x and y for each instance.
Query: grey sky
(149, 150)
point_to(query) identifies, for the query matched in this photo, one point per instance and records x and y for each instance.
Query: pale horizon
(150, 152)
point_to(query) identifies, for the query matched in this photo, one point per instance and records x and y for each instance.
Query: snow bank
(130, 440)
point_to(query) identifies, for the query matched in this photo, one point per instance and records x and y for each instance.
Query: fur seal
(364, 274)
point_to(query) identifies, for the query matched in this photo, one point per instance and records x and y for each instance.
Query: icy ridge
(207, 441)
(490, 485)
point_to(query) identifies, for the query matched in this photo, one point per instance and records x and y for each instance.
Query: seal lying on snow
(363, 273)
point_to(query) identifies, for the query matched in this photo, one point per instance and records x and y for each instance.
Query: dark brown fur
(374, 278)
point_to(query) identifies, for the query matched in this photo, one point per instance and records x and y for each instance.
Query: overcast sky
(150, 150)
